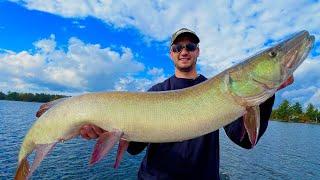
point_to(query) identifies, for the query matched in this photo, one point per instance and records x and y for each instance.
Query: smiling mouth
(184, 59)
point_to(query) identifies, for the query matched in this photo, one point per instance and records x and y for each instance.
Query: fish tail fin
(23, 170)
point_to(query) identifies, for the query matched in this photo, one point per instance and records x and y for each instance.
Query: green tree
(29, 97)
(318, 117)
(296, 109)
(296, 112)
(311, 112)
(13, 96)
(283, 111)
(274, 114)
(2, 96)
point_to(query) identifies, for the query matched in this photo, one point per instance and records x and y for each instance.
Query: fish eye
(272, 54)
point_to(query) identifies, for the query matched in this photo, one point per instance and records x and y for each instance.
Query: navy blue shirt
(195, 158)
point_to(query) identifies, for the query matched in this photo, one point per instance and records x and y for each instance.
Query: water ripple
(286, 151)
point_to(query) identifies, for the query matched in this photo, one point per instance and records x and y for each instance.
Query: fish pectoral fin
(122, 148)
(23, 170)
(251, 121)
(104, 144)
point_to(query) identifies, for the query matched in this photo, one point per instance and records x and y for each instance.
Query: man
(192, 159)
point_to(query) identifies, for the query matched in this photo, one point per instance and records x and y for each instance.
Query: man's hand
(44, 107)
(286, 83)
(90, 131)
(87, 131)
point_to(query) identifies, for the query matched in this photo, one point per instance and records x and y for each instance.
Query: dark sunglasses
(189, 47)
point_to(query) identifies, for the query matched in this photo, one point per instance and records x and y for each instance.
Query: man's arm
(234, 130)
(135, 148)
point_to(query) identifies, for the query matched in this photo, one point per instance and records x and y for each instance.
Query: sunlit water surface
(286, 151)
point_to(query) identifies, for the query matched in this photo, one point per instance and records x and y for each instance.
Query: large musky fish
(168, 116)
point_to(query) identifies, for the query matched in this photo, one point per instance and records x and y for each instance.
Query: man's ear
(171, 54)
(198, 52)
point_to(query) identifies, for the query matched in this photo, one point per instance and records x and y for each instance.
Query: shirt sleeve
(235, 129)
(137, 147)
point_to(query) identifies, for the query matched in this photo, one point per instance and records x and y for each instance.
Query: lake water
(286, 151)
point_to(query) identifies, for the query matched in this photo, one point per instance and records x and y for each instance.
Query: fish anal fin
(123, 146)
(251, 120)
(104, 144)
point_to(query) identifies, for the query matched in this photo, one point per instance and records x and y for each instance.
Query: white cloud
(299, 92)
(81, 67)
(46, 45)
(315, 99)
(306, 83)
(155, 71)
(141, 84)
(308, 73)
(16, 63)
(229, 30)
(66, 8)
(303, 96)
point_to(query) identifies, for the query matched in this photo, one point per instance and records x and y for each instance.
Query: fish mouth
(266, 85)
(295, 50)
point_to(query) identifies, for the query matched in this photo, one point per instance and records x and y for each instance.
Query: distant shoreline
(22, 101)
(287, 112)
(308, 122)
(29, 97)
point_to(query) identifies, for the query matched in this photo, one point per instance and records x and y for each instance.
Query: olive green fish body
(171, 116)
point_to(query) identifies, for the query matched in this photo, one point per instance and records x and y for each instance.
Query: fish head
(275, 65)
(258, 77)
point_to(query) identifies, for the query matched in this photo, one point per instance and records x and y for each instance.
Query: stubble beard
(186, 69)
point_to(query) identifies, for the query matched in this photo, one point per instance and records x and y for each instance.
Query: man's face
(184, 60)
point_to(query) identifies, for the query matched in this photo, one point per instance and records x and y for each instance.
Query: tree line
(295, 113)
(29, 97)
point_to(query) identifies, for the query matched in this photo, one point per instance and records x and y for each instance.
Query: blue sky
(70, 48)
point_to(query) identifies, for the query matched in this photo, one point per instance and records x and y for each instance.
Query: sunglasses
(189, 47)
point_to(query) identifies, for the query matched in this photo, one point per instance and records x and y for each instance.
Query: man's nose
(184, 51)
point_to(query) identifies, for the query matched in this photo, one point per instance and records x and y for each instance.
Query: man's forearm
(136, 147)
